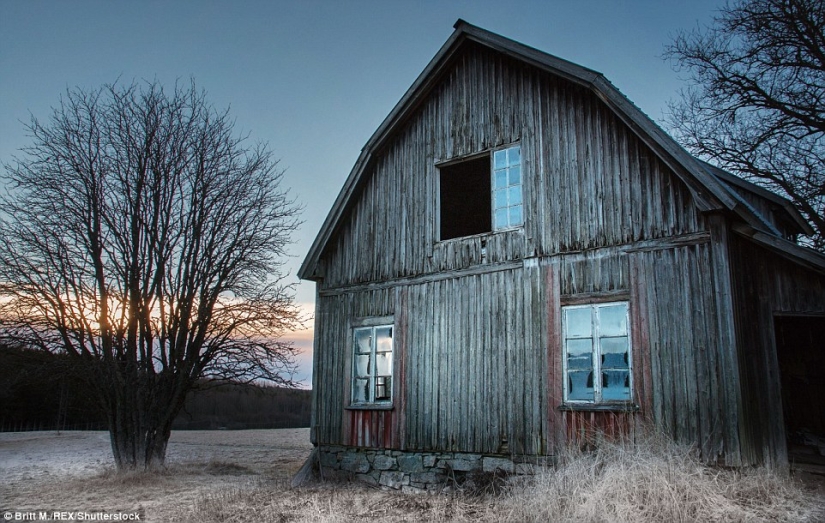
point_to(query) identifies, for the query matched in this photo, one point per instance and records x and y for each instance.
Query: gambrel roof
(710, 187)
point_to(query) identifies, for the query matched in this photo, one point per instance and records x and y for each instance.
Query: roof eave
(789, 250)
(793, 214)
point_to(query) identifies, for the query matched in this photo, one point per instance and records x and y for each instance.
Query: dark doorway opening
(800, 349)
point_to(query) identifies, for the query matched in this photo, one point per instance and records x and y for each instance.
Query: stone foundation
(417, 472)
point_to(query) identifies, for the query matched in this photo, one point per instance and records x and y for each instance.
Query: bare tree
(756, 104)
(143, 238)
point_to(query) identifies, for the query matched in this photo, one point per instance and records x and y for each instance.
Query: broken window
(372, 365)
(481, 194)
(596, 353)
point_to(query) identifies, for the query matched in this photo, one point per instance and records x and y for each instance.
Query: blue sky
(313, 78)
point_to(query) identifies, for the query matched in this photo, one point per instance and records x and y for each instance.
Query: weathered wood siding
(766, 285)
(482, 356)
(479, 339)
(678, 374)
(571, 277)
(472, 381)
(690, 389)
(333, 325)
(588, 180)
(475, 364)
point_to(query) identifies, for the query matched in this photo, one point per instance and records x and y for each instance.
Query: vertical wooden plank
(343, 329)
(640, 339)
(707, 381)
(400, 358)
(691, 341)
(655, 343)
(415, 351)
(727, 336)
(555, 421)
(541, 374)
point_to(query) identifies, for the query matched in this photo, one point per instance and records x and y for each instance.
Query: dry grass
(332, 503)
(657, 480)
(652, 481)
(112, 478)
(240, 476)
(75, 470)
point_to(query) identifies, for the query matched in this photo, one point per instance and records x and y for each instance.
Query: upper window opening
(465, 198)
(481, 194)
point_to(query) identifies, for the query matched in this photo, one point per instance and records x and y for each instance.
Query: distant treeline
(245, 406)
(41, 391)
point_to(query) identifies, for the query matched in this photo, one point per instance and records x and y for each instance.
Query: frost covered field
(244, 476)
(70, 471)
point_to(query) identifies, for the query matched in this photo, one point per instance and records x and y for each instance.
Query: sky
(313, 78)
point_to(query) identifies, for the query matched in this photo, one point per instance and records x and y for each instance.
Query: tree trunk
(139, 429)
(139, 448)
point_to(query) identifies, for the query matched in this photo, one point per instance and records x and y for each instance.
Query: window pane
(383, 339)
(501, 179)
(500, 159)
(383, 388)
(578, 323)
(501, 218)
(580, 354)
(501, 199)
(362, 365)
(363, 340)
(514, 175)
(514, 195)
(613, 320)
(614, 361)
(514, 155)
(360, 390)
(383, 363)
(614, 352)
(580, 385)
(515, 215)
(615, 385)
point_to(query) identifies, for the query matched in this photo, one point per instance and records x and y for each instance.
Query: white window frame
(596, 353)
(372, 327)
(506, 169)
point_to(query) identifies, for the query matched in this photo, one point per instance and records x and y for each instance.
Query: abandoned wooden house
(520, 256)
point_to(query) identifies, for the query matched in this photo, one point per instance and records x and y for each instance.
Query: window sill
(370, 406)
(482, 235)
(599, 407)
